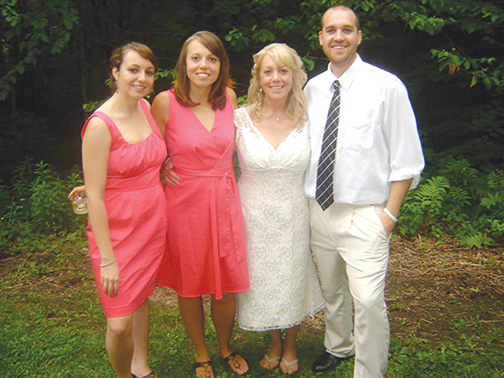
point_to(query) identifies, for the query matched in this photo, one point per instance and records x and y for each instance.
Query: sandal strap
(290, 363)
(202, 364)
(232, 356)
(233, 361)
(270, 360)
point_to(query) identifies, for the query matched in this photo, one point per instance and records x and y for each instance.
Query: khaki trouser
(352, 250)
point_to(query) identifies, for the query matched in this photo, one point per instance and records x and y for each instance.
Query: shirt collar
(348, 76)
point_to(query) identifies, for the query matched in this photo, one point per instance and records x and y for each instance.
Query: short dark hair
(344, 7)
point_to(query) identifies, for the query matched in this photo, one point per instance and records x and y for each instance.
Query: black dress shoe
(326, 362)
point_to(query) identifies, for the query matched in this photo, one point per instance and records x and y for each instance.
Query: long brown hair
(217, 96)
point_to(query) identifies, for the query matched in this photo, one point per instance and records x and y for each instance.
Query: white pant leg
(338, 311)
(360, 251)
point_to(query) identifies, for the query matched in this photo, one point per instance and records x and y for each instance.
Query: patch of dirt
(428, 286)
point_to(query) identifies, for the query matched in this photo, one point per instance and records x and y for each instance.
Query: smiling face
(203, 67)
(339, 38)
(135, 75)
(275, 80)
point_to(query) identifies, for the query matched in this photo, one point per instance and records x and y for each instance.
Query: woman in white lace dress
(273, 148)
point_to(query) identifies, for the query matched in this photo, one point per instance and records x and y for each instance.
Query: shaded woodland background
(445, 289)
(54, 59)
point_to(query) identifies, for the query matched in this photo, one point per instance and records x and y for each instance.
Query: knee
(227, 299)
(370, 303)
(120, 328)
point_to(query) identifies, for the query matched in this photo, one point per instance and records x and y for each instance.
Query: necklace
(270, 118)
(279, 118)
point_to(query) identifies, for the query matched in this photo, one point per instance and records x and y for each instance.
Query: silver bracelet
(390, 215)
(107, 264)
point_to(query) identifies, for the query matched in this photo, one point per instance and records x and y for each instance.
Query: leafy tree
(448, 52)
(32, 30)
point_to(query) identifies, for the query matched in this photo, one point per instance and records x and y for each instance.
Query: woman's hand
(169, 176)
(78, 190)
(110, 278)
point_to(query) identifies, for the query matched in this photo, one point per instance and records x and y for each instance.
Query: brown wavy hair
(117, 57)
(182, 87)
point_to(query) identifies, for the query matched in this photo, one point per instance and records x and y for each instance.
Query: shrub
(38, 205)
(458, 201)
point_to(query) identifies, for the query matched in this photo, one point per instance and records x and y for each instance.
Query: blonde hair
(281, 54)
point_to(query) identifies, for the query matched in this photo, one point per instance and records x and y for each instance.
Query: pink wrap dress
(205, 234)
(135, 203)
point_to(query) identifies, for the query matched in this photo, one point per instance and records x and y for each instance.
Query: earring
(261, 90)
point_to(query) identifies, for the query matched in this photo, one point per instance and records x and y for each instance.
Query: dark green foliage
(49, 207)
(32, 32)
(459, 201)
(38, 207)
(449, 53)
(23, 134)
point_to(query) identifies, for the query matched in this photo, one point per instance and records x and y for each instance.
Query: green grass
(53, 326)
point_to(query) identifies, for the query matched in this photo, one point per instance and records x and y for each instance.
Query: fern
(477, 240)
(459, 201)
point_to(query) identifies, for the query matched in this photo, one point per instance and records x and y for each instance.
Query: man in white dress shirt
(378, 159)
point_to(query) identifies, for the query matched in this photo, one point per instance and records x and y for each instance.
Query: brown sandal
(234, 363)
(207, 369)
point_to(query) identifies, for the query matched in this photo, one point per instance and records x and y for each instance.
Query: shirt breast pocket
(359, 134)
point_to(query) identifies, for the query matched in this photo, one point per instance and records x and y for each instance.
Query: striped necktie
(325, 171)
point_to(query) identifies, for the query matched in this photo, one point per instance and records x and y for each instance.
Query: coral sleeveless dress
(135, 203)
(206, 238)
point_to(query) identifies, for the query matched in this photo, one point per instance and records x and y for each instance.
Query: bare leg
(193, 316)
(289, 364)
(272, 358)
(119, 343)
(191, 310)
(223, 315)
(140, 364)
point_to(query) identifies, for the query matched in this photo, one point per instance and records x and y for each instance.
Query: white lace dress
(284, 288)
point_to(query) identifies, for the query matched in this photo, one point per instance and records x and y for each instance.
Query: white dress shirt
(378, 140)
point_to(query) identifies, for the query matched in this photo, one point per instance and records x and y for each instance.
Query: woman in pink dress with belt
(122, 152)
(205, 235)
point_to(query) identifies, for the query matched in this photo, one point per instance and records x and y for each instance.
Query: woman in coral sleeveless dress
(122, 152)
(206, 247)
